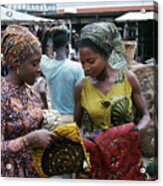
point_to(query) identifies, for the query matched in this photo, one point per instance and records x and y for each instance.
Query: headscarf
(107, 37)
(18, 43)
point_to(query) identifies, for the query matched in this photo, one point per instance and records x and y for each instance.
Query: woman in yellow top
(104, 103)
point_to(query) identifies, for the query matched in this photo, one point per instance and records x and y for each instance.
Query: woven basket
(147, 75)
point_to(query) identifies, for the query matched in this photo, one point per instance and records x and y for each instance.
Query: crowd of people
(97, 92)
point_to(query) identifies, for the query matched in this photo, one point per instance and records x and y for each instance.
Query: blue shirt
(62, 77)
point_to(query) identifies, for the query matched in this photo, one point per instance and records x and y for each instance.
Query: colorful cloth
(20, 114)
(62, 77)
(68, 156)
(107, 37)
(115, 155)
(104, 111)
(18, 42)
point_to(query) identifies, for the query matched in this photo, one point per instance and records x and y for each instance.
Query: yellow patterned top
(104, 111)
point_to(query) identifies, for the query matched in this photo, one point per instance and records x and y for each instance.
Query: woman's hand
(41, 138)
(134, 129)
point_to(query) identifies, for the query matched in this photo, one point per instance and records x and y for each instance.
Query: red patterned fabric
(97, 171)
(115, 155)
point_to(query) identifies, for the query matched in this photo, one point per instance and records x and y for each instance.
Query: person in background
(4, 67)
(21, 113)
(72, 53)
(62, 75)
(47, 46)
(49, 51)
(104, 103)
(40, 86)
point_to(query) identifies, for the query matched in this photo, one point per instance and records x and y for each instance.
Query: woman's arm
(10, 146)
(40, 138)
(78, 108)
(138, 100)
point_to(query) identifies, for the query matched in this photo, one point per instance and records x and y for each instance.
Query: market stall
(9, 16)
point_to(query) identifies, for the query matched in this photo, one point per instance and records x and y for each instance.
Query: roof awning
(137, 16)
(8, 15)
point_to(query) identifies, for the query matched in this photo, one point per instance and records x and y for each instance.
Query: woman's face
(30, 69)
(93, 63)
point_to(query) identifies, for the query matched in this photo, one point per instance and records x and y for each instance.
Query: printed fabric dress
(107, 121)
(20, 114)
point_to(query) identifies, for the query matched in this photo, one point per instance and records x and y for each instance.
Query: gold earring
(17, 71)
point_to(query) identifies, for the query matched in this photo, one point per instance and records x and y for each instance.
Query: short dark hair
(59, 39)
(81, 43)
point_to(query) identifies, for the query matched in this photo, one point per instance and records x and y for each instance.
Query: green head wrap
(107, 37)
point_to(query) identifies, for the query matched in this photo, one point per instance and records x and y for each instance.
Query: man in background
(62, 75)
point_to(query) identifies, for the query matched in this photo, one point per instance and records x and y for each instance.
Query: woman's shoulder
(132, 78)
(82, 83)
(130, 75)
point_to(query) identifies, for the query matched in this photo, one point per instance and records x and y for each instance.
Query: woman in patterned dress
(21, 114)
(104, 103)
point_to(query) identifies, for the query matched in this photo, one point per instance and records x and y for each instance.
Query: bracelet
(25, 141)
